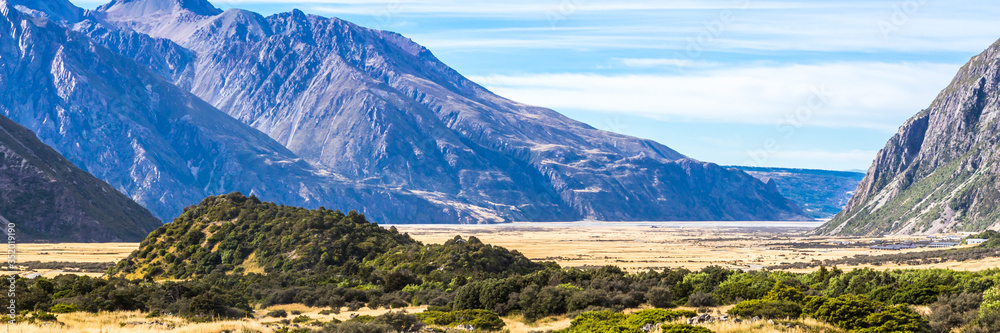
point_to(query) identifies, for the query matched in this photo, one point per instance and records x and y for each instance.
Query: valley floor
(641, 246)
(631, 246)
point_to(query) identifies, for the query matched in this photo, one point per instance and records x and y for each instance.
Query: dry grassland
(640, 247)
(633, 247)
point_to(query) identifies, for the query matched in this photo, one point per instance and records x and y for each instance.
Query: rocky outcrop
(939, 173)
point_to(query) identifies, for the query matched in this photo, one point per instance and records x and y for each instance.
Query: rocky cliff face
(375, 106)
(159, 144)
(51, 200)
(940, 171)
(384, 113)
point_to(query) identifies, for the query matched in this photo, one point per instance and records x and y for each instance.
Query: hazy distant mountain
(383, 112)
(49, 199)
(821, 193)
(941, 171)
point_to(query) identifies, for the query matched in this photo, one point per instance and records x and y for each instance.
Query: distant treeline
(989, 249)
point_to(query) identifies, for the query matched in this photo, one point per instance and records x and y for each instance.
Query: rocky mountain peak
(141, 8)
(55, 10)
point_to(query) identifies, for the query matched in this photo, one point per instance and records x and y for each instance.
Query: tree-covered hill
(238, 234)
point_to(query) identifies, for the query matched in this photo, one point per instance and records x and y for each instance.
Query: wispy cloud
(861, 95)
(666, 62)
(835, 160)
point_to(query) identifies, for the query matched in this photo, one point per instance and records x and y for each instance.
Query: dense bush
(683, 328)
(63, 308)
(642, 318)
(277, 314)
(846, 311)
(608, 321)
(782, 292)
(660, 297)
(743, 286)
(897, 319)
(766, 309)
(480, 319)
(701, 299)
(954, 311)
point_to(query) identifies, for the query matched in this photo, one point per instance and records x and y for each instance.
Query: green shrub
(43, 316)
(301, 319)
(600, 321)
(782, 292)
(763, 308)
(991, 300)
(480, 319)
(743, 286)
(609, 321)
(655, 316)
(277, 314)
(846, 311)
(895, 319)
(684, 328)
(63, 308)
(954, 311)
(700, 299)
(660, 297)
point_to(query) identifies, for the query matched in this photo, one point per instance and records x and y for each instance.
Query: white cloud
(856, 94)
(666, 62)
(831, 160)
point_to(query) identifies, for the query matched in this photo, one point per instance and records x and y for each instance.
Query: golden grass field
(633, 247)
(639, 247)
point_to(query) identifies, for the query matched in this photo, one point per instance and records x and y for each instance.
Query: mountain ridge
(940, 172)
(467, 130)
(50, 200)
(821, 193)
(383, 112)
(159, 144)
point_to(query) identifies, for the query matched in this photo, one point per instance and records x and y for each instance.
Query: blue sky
(804, 84)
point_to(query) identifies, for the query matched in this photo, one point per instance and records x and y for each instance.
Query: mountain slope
(374, 106)
(159, 144)
(941, 171)
(50, 200)
(821, 193)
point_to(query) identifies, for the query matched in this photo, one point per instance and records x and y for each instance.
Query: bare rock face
(159, 144)
(384, 113)
(940, 171)
(48, 199)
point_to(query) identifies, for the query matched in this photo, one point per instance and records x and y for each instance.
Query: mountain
(159, 144)
(821, 193)
(50, 200)
(348, 107)
(941, 171)
(375, 106)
